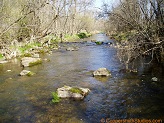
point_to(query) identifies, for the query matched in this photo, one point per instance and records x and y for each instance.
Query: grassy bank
(46, 44)
(75, 37)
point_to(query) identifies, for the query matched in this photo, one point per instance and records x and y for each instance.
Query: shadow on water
(122, 96)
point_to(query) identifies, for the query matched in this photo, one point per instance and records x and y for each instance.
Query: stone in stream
(29, 61)
(35, 55)
(154, 79)
(3, 62)
(72, 48)
(26, 72)
(102, 72)
(72, 92)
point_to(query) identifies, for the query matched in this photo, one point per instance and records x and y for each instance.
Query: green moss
(35, 63)
(55, 98)
(1, 56)
(99, 42)
(27, 55)
(76, 90)
(30, 74)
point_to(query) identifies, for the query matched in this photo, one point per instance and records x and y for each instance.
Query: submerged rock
(72, 92)
(29, 61)
(154, 79)
(72, 48)
(26, 72)
(102, 72)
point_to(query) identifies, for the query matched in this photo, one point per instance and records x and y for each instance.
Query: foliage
(28, 46)
(55, 98)
(71, 37)
(140, 23)
(24, 48)
(82, 35)
(76, 90)
(123, 36)
(52, 38)
(35, 63)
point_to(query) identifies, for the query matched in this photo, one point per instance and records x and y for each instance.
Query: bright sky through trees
(99, 3)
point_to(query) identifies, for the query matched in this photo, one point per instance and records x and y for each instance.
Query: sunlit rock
(3, 62)
(29, 61)
(102, 72)
(26, 73)
(72, 92)
(155, 79)
(36, 56)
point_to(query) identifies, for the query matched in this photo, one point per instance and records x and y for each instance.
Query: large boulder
(72, 92)
(102, 72)
(29, 61)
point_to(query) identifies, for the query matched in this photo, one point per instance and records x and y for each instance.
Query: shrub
(83, 35)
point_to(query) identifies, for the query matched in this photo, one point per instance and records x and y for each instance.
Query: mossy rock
(27, 55)
(30, 73)
(35, 63)
(99, 42)
(76, 90)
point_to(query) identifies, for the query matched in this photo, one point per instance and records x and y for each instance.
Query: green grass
(28, 46)
(35, 63)
(55, 98)
(71, 37)
(76, 90)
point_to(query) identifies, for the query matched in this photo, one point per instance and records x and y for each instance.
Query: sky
(98, 3)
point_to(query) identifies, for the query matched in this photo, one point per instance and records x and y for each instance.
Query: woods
(23, 19)
(139, 26)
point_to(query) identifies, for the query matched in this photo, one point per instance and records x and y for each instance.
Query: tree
(142, 22)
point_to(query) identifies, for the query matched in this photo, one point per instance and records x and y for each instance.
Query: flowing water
(26, 99)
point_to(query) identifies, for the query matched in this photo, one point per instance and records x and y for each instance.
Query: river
(26, 99)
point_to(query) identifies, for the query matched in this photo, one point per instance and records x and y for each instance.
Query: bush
(71, 37)
(83, 35)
